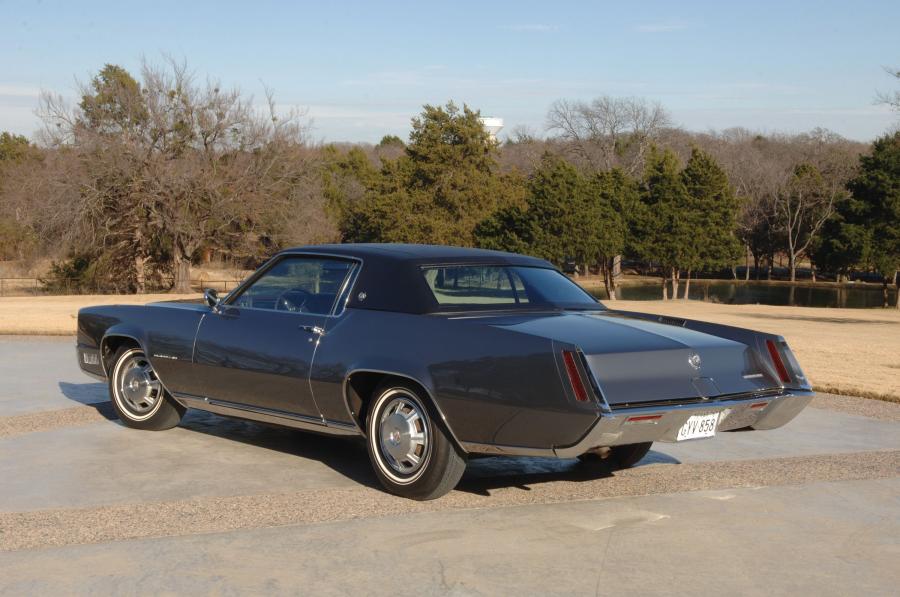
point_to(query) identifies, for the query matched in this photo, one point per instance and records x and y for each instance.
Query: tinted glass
(497, 286)
(297, 284)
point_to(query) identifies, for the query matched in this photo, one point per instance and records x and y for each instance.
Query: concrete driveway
(223, 506)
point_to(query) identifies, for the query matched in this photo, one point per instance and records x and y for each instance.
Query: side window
(297, 284)
(472, 285)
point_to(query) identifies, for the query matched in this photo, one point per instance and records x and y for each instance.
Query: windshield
(476, 287)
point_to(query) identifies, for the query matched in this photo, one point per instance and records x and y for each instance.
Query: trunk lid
(635, 361)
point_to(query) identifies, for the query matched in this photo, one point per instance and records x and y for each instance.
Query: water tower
(492, 125)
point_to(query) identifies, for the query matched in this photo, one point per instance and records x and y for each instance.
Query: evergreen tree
(711, 213)
(665, 231)
(568, 217)
(440, 189)
(876, 205)
(617, 204)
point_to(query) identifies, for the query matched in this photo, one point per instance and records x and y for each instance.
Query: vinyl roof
(420, 253)
(391, 277)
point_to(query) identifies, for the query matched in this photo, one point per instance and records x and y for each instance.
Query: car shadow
(93, 395)
(345, 456)
(496, 472)
(348, 457)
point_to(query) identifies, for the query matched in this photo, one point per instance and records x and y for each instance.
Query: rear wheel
(620, 457)
(137, 394)
(413, 456)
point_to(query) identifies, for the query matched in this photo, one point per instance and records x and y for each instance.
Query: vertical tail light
(581, 393)
(776, 360)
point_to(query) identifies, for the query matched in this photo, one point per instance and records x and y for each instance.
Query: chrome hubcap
(404, 435)
(138, 385)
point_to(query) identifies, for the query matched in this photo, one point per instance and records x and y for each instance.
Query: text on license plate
(698, 426)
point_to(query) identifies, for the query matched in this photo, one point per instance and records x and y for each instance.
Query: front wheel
(411, 453)
(138, 396)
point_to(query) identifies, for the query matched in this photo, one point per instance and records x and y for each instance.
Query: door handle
(313, 329)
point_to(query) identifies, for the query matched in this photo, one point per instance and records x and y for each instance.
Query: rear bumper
(661, 423)
(633, 425)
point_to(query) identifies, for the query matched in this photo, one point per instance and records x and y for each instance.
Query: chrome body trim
(264, 415)
(767, 412)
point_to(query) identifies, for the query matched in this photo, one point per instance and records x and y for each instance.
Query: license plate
(698, 426)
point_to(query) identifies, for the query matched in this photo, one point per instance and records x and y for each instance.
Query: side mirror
(211, 297)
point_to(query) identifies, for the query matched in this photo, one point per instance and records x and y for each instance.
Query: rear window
(499, 286)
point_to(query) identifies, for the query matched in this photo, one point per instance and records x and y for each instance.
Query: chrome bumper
(637, 425)
(661, 423)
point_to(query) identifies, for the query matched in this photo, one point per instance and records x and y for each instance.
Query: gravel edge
(60, 527)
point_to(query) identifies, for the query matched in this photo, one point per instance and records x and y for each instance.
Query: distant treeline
(144, 178)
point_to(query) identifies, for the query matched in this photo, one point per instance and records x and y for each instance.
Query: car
(433, 355)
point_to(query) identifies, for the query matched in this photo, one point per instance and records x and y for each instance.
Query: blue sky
(363, 69)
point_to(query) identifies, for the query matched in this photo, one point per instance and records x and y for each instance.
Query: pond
(764, 294)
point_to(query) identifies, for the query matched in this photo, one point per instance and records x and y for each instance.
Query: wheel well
(110, 345)
(362, 384)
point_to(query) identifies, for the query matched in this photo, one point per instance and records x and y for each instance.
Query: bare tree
(167, 166)
(609, 132)
(891, 99)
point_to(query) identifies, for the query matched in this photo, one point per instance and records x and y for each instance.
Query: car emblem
(694, 360)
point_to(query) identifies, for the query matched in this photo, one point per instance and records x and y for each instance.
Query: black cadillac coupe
(433, 354)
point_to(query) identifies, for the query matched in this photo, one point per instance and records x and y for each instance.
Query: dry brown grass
(56, 315)
(843, 351)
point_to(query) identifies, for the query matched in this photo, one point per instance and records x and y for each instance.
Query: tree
(803, 206)
(891, 99)
(167, 167)
(16, 238)
(609, 132)
(444, 184)
(568, 216)
(617, 199)
(666, 230)
(843, 242)
(711, 214)
(14, 148)
(876, 194)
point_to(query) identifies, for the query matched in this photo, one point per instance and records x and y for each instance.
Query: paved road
(222, 506)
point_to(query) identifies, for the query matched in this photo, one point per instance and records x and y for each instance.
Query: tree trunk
(897, 287)
(607, 279)
(674, 283)
(812, 269)
(140, 276)
(614, 277)
(687, 285)
(747, 256)
(182, 270)
(792, 265)
(665, 286)
(884, 293)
